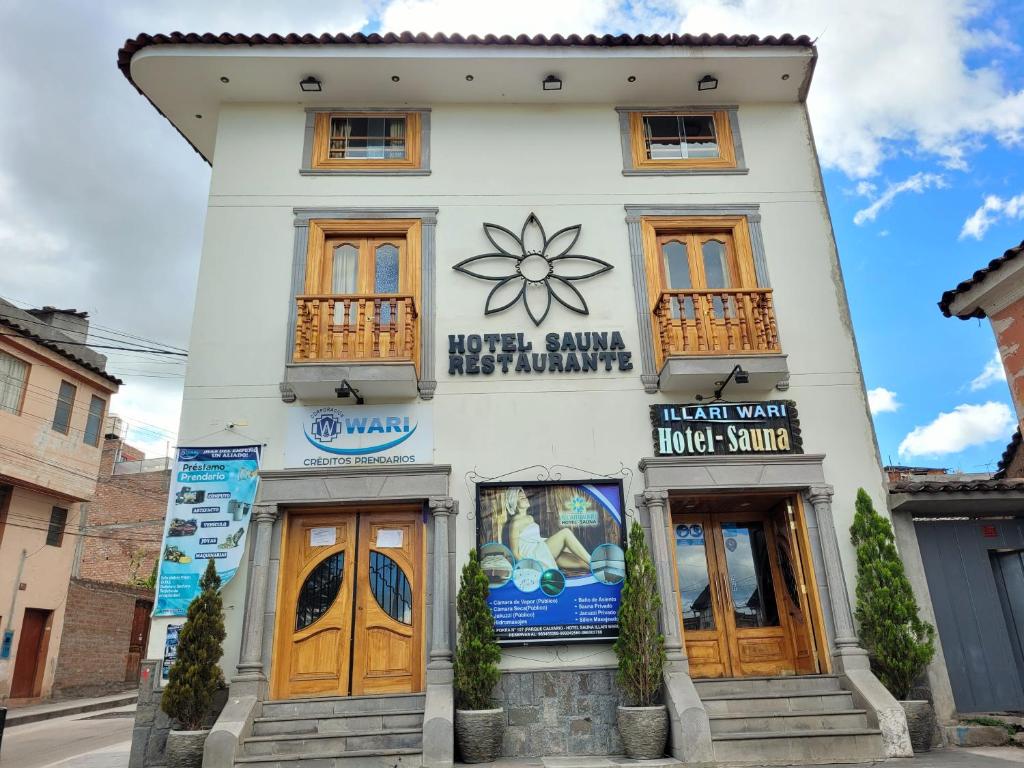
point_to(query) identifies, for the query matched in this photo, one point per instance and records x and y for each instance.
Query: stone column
(250, 664)
(439, 706)
(656, 502)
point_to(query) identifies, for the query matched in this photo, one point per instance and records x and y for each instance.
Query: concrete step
(389, 758)
(843, 720)
(344, 705)
(755, 703)
(796, 747)
(785, 684)
(324, 743)
(338, 725)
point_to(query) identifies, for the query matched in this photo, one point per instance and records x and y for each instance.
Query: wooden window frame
(723, 132)
(24, 386)
(99, 427)
(71, 408)
(321, 159)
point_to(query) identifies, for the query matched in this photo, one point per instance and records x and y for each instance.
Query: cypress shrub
(899, 643)
(640, 647)
(195, 676)
(476, 654)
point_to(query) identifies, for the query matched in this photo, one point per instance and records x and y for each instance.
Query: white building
(351, 176)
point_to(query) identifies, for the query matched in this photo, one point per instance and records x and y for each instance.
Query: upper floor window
(65, 405)
(706, 297)
(366, 141)
(95, 421)
(55, 530)
(681, 140)
(13, 378)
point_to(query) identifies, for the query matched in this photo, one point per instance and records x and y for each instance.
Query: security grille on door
(390, 588)
(319, 590)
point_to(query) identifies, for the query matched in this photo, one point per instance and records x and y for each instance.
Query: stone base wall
(560, 713)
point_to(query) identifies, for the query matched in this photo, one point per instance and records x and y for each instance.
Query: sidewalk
(33, 713)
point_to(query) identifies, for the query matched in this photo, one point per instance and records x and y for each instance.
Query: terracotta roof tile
(1008, 455)
(952, 486)
(973, 280)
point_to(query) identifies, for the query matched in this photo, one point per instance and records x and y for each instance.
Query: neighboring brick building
(109, 604)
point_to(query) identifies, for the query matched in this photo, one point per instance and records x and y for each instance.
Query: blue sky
(917, 107)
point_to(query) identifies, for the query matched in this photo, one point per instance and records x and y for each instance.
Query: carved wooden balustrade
(711, 322)
(356, 327)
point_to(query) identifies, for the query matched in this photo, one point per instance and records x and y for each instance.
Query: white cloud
(990, 374)
(963, 427)
(882, 400)
(475, 17)
(151, 409)
(978, 223)
(918, 183)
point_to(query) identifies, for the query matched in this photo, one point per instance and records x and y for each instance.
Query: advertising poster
(208, 513)
(554, 556)
(359, 436)
(170, 651)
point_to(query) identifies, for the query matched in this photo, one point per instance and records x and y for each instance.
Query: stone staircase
(787, 720)
(343, 732)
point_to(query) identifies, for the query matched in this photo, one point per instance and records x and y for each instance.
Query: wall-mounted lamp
(737, 374)
(551, 83)
(310, 84)
(707, 83)
(347, 390)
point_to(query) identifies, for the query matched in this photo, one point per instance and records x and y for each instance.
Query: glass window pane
(750, 575)
(13, 374)
(319, 591)
(716, 269)
(65, 404)
(694, 582)
(677, 265)
(367, 138)
(664, 137)
(701, 140)
(390, 588)
(92, 425)
(386, 269)
(344, 269)
(55, 530)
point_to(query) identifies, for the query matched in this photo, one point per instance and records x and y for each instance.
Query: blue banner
(554, 558)
(208, 511)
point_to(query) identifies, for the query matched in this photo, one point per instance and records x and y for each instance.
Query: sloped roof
(1008, 456)
(991, 485)
(949, 296)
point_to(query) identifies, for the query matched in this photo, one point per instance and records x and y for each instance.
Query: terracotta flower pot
(644, 731)
(920, 723)
(478, 734)
(185, 748)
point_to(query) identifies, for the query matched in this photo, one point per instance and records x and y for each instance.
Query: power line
(100, 346)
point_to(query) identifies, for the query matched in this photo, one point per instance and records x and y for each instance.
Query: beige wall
(45, 574)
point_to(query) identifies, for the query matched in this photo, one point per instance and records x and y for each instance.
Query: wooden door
(793, 589)
(700, 596)
(313, 640)
(30, 661)
(389, 606)
(137, 640)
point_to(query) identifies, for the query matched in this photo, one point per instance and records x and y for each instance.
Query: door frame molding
(795, 473)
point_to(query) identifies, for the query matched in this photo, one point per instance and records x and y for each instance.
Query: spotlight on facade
(741, 377)
(310, 84)
(551, 83)
(347, 390)
(707, 83)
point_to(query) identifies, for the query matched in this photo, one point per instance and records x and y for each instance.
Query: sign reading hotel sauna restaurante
(704, 429)
(565, 352)
(359, 435)
(554, 559)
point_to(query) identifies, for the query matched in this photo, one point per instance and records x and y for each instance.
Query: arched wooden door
(350, 612)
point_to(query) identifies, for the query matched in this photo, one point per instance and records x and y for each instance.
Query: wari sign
(359, 435)
(471, 354)
(554, 558)
(729, 429)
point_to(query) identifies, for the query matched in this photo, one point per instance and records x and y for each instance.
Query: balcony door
(698, 261)
(351, 617)
(737, 614)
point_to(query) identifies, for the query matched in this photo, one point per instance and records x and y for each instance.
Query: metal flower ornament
(533, 268)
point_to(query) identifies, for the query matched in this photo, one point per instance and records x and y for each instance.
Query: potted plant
(899, 643)
(479, 726)
(195, 675)
(643, 724)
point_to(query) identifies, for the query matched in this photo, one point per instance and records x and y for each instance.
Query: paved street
(87, 740)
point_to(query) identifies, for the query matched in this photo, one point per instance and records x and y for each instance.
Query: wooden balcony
(716, 322)
(350, 328)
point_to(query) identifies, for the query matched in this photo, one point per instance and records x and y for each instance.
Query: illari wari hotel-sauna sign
(705, 429)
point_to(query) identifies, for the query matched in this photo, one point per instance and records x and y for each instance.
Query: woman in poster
(561, 550)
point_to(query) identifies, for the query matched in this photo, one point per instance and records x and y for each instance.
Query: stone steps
(337, 732)
(842, 719)
(824, 701)
(796, 747)
(774, 685)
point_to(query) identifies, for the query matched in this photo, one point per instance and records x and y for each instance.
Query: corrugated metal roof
(973, 280)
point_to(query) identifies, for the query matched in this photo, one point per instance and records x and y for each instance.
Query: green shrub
(899, 643)
(195, 675)
(640, 647)
(476, 654)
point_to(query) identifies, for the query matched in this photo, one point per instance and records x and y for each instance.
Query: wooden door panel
(706, 658)
(389, 604)
(314, 626)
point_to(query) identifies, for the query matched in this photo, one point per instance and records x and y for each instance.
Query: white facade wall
(497, 164)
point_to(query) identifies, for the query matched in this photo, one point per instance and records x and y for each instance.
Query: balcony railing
(716, 322)
(356, 327)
